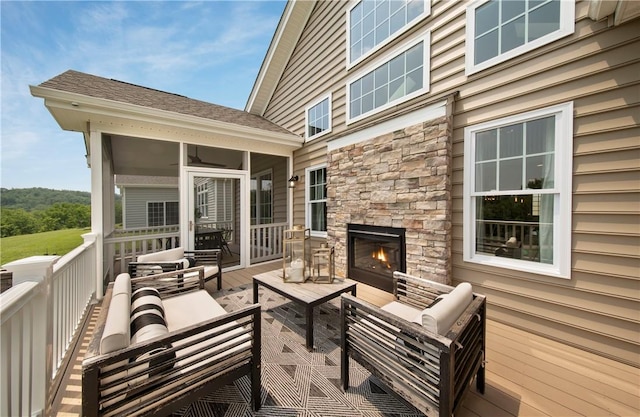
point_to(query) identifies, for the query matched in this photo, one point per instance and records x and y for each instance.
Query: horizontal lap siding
(137, 199)
(597, 68)
(598, 308)
(315, 69)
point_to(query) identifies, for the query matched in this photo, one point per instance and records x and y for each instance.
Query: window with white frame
(517, 191)
(262, 198)
(498, 30)
(202, 200)
(373, 23)
(318, 118)
(162, 213)
(402, 75)
(316, 200)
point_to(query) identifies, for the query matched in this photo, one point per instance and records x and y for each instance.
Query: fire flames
(381, 256)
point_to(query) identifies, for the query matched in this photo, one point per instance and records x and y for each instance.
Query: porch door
(217, 209)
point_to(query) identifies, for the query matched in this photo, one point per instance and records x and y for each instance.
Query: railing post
(38, 269)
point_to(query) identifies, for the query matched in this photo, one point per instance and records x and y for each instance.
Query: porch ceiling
(134, 156)
(148, 157)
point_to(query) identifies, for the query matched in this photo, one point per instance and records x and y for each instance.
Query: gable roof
(293, 21)
(118, 91)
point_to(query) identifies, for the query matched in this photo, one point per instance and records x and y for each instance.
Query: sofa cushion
(442, 314)
(168, 255)
(122, 285)
(116, 334)
(195, 307)
(190, 308)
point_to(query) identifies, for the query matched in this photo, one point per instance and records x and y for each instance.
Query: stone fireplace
(397, 180)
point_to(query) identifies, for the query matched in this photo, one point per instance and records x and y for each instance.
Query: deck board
(527, 374)
(571, 372)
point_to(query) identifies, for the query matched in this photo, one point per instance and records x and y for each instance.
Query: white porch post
(97, 204)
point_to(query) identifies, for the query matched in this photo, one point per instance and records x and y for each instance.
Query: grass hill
(30, 199)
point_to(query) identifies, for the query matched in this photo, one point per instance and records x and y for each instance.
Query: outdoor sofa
(426, 346)
(160, 344)
(179, 258)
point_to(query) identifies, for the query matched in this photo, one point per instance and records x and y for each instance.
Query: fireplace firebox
(374, 253)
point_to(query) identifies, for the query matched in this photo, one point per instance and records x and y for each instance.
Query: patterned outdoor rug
(296, 382)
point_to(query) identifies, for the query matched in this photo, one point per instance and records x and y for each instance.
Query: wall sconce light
(292, 181)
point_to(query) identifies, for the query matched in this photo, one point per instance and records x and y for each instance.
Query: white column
(97, 201)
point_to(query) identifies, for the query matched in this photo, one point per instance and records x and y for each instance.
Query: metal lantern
(323, 265)
(296, 251)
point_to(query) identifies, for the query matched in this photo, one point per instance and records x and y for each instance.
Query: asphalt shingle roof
(93, 86)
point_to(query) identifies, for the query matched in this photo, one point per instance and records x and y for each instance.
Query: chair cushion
(440, 316)
(163, 255)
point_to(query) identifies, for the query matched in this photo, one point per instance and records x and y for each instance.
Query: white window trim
(258, 202)
(563, 163)
(424, 37)
(567, 27)
(307, 206)
(164, 211)
(426, 13)
(328, 97)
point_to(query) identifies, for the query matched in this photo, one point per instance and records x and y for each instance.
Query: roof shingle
(98, 87)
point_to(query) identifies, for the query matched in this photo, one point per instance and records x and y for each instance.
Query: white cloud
(207, 50)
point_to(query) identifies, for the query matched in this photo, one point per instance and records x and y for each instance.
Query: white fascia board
(433, 111)
(293, 20)
(91, 105)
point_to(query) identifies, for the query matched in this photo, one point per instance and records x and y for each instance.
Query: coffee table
(308, 294)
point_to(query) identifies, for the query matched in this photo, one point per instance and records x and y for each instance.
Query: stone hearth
(400, 179)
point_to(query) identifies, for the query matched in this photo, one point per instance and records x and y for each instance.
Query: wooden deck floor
(527, 375)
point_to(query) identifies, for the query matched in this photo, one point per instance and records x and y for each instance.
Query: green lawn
(58, 242)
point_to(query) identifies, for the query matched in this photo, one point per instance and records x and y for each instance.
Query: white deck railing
(266, 241)
(41, 316)
(122, 247)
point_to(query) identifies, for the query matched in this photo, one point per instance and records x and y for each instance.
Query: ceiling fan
(195, 159)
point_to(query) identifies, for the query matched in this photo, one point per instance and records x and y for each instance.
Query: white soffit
(422, 115)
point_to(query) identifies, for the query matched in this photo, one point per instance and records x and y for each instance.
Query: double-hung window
(316, 200)
(498, 30)
(374, 23)
(162, 213)
(318, 118)
(400, 75)
(517, 191)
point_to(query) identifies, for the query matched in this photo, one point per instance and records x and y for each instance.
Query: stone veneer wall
(401, 179)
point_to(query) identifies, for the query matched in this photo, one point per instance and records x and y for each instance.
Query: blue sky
(207, 50)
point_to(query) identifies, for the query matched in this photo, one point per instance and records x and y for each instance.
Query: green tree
(15, 222)
(66, 216)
